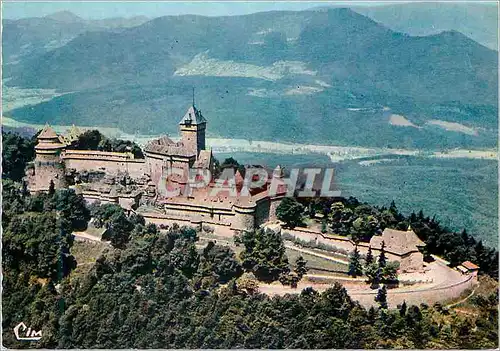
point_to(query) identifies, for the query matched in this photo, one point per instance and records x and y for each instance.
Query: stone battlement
(100, 155)
(56, 163)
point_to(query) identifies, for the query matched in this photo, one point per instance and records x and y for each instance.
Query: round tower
(48, 163)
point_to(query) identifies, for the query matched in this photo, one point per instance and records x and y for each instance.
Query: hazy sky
(106, 9)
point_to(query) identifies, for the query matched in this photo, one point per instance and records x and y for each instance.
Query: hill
(479, 21)
(33, 36)
(330, 76)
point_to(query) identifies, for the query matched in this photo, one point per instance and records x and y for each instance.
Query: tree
(369, 257)
(101, 214)
(372, 272)
(52, 188)
(364, 227)
(38, 244)
(381, 297)
(89, 140)
(118, 230)
(94, 140)
(229, 163)
(355, 267)
(382, 260)
(248, 283)
(16, 153)
(402, 309)
(390, 272)
(300, 267)
(290, 211)
(264, 254)
(219, 263)
(72, 207)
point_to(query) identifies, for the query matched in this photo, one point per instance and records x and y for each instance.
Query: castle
(134, 183)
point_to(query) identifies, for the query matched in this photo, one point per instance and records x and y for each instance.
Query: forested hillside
(154, 288)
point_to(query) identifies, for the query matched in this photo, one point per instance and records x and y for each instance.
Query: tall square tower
(192, 127)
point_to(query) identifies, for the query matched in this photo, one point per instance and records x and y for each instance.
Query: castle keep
(135, 184)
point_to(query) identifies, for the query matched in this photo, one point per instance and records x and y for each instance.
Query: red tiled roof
(48, 133)
(469, 265)
(166, 146)
(204, 159)
(397, 241)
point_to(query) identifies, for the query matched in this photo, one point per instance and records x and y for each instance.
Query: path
(314, 253)
(84, 236)
(461, 301)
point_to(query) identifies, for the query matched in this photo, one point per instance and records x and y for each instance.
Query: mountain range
(328, 75)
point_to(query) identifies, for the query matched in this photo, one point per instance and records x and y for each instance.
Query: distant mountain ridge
(476, 20)
(37, 35)
(331, 76)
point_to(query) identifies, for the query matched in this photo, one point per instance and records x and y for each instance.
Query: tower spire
(193, 96)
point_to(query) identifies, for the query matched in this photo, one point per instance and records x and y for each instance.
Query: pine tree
(382, 260)
(372, 315)
(300, 267)
(355, 267)
(402, 309)
(369, 256)
(381, 297)
(52, 188)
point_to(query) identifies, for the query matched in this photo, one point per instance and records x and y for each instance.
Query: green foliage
(454, 247)
(300, 267)
(218, 264)
(264, 254)
(102, 214)
(369, 256)
(16, 153)
(118, 229)
(38, 243)
(13, 200)
(323, 227)
(381, 297)
(52, 188)
(228, 163)
(364, 227)
(71, 207)
(382, 260)
(290, 211)
(355, 266)
(389, 272)
(94, 140)
(372, 272)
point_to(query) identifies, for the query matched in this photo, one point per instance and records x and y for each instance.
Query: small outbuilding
(468, 267)
(401, 246)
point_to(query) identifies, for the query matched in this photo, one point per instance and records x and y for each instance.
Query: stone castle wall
(262, 212)
(274, 203)
(49, 167)
(108, 162)
(157, 164)
(244, 220)
(346, 244)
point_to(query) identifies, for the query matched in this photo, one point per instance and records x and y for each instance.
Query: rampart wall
(109, 162)
(221, 228)
(342, 243)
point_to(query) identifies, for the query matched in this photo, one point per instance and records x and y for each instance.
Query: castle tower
(192, 127)
(48, 163)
